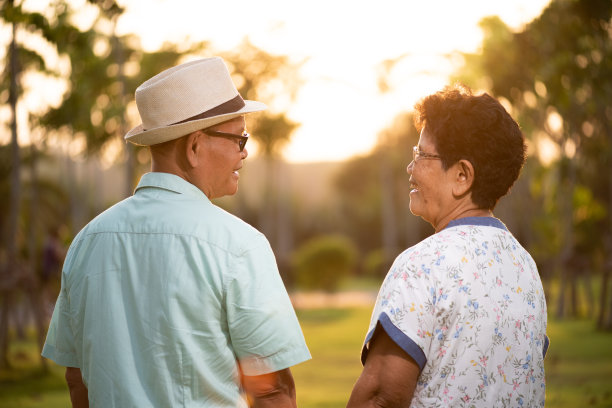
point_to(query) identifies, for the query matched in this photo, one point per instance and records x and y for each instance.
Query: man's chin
(234, 191)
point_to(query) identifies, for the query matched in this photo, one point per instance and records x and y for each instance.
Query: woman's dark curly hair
(476, 128)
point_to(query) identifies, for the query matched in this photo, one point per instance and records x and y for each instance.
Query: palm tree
(7, 281)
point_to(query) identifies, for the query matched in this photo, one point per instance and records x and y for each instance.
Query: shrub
(322, 262)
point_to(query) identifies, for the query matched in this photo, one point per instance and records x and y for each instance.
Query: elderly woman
(460, 319)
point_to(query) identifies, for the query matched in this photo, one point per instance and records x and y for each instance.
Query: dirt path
(314, 300)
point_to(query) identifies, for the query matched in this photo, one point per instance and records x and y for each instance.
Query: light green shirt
(162, 294)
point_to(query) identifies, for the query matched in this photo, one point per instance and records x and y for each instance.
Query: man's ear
(192, 147)
(463, 172)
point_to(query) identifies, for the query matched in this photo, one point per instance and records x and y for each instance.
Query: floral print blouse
(467, 305)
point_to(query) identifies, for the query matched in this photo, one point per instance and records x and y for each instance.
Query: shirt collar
(170, 182)
(481, 221)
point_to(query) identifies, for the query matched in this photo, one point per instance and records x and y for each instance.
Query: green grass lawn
(27, 384)
(334, 337)
(578, 365)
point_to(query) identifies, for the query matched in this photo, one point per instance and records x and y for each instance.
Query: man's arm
(389, 375)
(275, 389)
(78, 391)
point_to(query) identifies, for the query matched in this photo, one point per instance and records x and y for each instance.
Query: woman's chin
(414, 205)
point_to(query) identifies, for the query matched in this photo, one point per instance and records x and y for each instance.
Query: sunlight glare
(112, 152)
(547, 150)
(340, 107)
(554, 121)
(570, 148)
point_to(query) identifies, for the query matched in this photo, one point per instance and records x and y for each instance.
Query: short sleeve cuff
(399, 337)
(546, 344)
(257, 365)
(61, 358)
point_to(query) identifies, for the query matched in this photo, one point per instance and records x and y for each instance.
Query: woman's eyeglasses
(418, 154)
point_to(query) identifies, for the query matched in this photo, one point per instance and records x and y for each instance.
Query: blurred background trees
(66, 144)
(325, 221)
(259, 76)
(556, 75)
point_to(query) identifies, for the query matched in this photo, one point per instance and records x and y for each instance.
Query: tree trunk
(603, 298)
(561, 294)
(608, 321)
(602, 323)
(4, 323)
(71, 181)
(588, 293)
(7, 278)
(20, 314)
(573, 289)
(267, 210)
(130, 169)
(388, 214)
(130, 159)
(284, 228)
(34, 221)
(565, 204)
(34, 293)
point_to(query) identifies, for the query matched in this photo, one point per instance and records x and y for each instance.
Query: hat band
(233, 105)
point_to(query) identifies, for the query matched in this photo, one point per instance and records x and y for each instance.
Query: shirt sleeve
(403, 309)
(59, 345)
(264, 329)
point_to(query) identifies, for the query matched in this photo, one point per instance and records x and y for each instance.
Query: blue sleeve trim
(399, 337)
(546, 344)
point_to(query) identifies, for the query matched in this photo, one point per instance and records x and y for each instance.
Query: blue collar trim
(481, 221)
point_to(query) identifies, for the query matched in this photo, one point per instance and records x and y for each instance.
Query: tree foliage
(262, 76)
(364, 181)
(560, 64)
(104, 69)
(557, 75)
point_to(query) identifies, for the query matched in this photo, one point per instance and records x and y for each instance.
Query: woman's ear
(464, 177)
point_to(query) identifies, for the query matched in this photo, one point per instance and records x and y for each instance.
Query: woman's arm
(389, 375)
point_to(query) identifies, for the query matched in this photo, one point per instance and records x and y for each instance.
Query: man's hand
(389, 375)
(275, 389)
(78, 391)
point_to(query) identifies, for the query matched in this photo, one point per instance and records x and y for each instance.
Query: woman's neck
(462, 213)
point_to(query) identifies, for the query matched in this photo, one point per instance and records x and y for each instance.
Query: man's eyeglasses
(241, 139)
(418, 154)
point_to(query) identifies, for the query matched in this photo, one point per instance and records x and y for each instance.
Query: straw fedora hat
(186, 98)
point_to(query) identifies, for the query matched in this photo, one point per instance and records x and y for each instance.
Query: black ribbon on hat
(233, 105)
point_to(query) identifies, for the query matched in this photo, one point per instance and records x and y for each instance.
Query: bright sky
(340, 107)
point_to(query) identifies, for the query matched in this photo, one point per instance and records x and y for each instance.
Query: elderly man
(166, 299)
